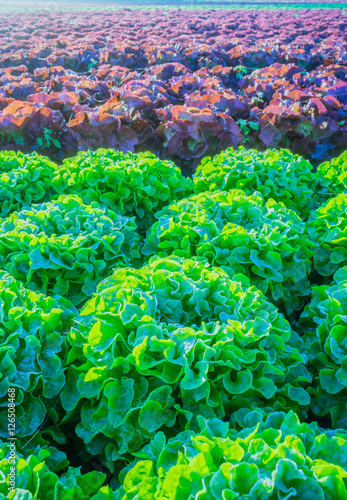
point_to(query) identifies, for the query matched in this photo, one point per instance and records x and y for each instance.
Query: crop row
(115, 79)
(185, 337)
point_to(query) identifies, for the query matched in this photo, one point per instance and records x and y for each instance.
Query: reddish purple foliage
(170, 81)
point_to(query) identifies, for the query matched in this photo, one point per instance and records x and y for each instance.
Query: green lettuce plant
(34, 480)
(157, 346)
(331, 177)
(276, 174)
(327, 228)
(240, 234)
(32, 353)
(24, 179)
(324, 324)
(268, 455)
(66, 247)
(129, 184)
(277, 457)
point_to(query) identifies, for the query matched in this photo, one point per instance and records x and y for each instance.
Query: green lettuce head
(66, 247)
(159, 345)
(331, 177)
(34, 478)
(278, 457)
(130, 184)
(276, 174)
(327, 228)
(240, 234)
(24, 179)
(32, 353)
(324, 322)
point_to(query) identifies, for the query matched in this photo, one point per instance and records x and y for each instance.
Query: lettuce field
(180, 83)
(173, 253)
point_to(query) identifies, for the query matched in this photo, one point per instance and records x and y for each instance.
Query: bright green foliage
(324, 322)
(32, 352)
(276, 174)
(130, 184)
(66, 247)
(47, 437)
(183, 376)
(24, 179)
(240, 234)
(332, 177)
(277, 457)
(327, 228)
(36, 481)
(157, 346)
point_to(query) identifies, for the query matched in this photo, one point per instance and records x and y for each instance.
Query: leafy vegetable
(324, 322)
(277, 457)
(130, 184)
(327, 228)
(276, 174)
(156, 347)
(66, 247)
(240, 234)
(332, 177)
(47, 141)
(35, 480)
(32, 353)
(24, 179)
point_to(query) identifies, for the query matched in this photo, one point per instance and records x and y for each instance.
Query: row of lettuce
(264, 215)
(147, 184)
(158, 322)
